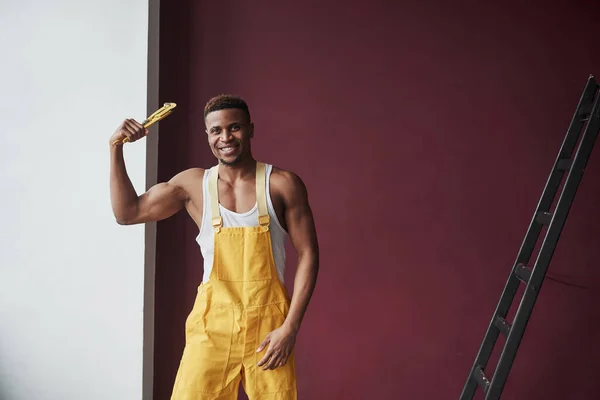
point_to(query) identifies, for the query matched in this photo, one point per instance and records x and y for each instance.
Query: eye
(235, 128)
(214, 131)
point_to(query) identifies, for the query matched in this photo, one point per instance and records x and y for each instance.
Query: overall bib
(234, 310)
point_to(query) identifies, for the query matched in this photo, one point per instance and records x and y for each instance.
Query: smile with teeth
(227, 150)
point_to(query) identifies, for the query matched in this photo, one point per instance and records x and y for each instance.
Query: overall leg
(209, 368)
(259, 384)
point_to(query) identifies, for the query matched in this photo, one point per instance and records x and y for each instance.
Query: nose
(225, 135)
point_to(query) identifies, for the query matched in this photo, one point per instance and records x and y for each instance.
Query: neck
(240, 170)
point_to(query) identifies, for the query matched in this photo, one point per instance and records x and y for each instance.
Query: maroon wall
(425, 134)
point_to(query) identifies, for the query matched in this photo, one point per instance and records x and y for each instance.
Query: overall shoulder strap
(213, 191)
(261, 194)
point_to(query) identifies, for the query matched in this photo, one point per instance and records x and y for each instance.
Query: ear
(251, 130)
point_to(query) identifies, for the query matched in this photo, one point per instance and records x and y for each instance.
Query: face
(229, 132)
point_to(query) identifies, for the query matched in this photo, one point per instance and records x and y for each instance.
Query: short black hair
(225, 101)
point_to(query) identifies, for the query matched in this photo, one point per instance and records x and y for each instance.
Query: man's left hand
(281, 343)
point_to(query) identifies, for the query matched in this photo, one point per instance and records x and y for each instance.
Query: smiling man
(243, 324)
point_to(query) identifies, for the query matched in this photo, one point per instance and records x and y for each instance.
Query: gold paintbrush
(156, 116)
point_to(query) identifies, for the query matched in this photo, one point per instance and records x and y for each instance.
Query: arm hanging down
(301, 229)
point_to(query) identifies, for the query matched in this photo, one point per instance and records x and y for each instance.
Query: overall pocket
(280, 379)
(243, 255)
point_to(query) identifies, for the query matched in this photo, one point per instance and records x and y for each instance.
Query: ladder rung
(480, 377)
(543, 218)
(564, 164)
(523, 273)
(502, 325)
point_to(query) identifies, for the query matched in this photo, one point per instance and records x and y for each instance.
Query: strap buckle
(217, 223)
(264, 220)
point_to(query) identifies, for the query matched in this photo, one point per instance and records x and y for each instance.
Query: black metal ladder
(586, 120)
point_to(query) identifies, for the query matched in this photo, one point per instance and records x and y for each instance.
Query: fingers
(129, 131)
(140, 127)
(134, 130)
(268, 360)
(273, 359)
(277, 353)
(265, 358)
(283, 359)
(278, 359)
(264, 343)
(273, 363)
(135, 123)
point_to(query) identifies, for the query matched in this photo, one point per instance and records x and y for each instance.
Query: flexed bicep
(159, 202)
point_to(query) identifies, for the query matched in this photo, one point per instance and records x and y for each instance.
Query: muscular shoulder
(188, 180)
(287, 184)
(188, 177)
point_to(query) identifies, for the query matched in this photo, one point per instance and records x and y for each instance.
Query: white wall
(71, 279)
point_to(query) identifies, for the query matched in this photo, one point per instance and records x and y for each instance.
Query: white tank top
(232, 219)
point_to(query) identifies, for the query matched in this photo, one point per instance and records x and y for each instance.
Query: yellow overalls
(242, 301)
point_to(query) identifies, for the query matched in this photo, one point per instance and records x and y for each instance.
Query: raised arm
(159, 202)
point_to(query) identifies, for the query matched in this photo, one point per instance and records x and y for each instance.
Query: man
(243, 325)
